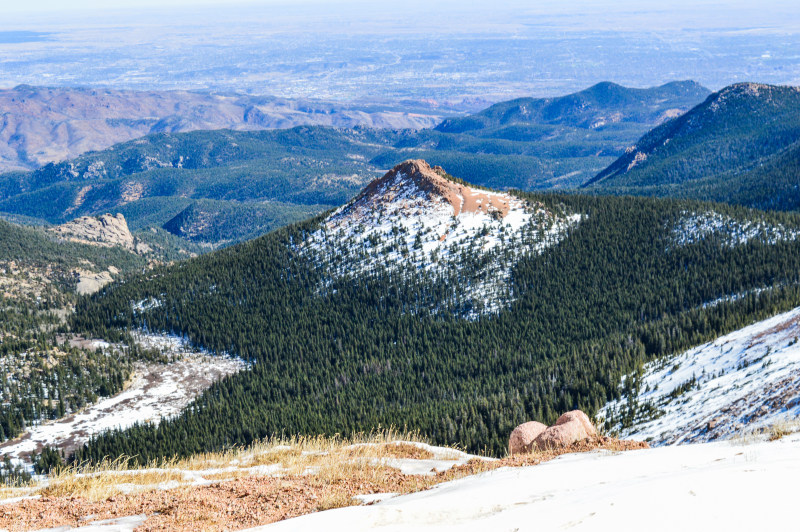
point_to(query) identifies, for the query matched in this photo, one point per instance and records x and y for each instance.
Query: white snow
(443, 458)
(404, 228)
(146, 304)
(741, 381)
(371, 498)
(716, 486)
(693, 227)
(156, 391)
(120, 524)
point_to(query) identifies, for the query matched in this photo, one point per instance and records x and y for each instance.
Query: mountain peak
(415, 180)
(746, 122)
(418, 220)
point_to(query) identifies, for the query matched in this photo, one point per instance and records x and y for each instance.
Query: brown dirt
(232, 505)
(460, 197)
(255, 501)
(537, 457)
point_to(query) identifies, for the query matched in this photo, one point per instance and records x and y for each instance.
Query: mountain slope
(692, 487)
(39, 125)
(419, 220)
(213, 223)
(380, 339)
(738, 146)
(746, 380)
(601, 105)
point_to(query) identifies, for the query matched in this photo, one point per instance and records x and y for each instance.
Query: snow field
(715, 486)
(745, 380)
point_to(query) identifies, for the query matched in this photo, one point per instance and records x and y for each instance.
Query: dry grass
(772, 432)
(108, 478)
(330, 459)
(305, 475)
(778, 430)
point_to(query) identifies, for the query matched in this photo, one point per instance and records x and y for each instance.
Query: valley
(154, 391)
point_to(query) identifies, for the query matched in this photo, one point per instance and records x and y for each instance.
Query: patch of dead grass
(104, 480)
(320, 474)
(772, 432)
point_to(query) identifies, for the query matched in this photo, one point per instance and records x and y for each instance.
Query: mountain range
(39, 125)
(601, 105)
(447, 308)
(279, 176)
(455, 292)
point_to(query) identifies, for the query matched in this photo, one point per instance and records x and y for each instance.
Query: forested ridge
(740, 146)
(617, 292)
(42, 376)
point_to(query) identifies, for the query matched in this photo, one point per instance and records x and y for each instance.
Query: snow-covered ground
(415, 220)
(693, 227)
(122, 524)
(712, 486)
(739, 382)
(156, 391)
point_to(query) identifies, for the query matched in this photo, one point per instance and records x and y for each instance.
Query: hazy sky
(550, 6)
(602, 14)
(77, 5)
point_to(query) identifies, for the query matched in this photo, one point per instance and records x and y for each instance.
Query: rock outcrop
(90, 282)
(570, 428)
(105, 230)
(415, 177)
(523, 436)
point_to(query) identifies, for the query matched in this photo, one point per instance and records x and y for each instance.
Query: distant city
(457, 62)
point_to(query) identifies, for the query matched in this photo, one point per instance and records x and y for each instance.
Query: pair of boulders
(570, 428)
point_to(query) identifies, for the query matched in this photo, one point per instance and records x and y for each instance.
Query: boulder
(523, 436)
(571, 427)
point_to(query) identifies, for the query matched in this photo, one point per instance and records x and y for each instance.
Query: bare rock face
(417, 175)
(105, 230)
(571, 427)
(523, 436)
(90, 282)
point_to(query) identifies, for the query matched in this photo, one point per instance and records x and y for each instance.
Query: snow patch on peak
(416, 221)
